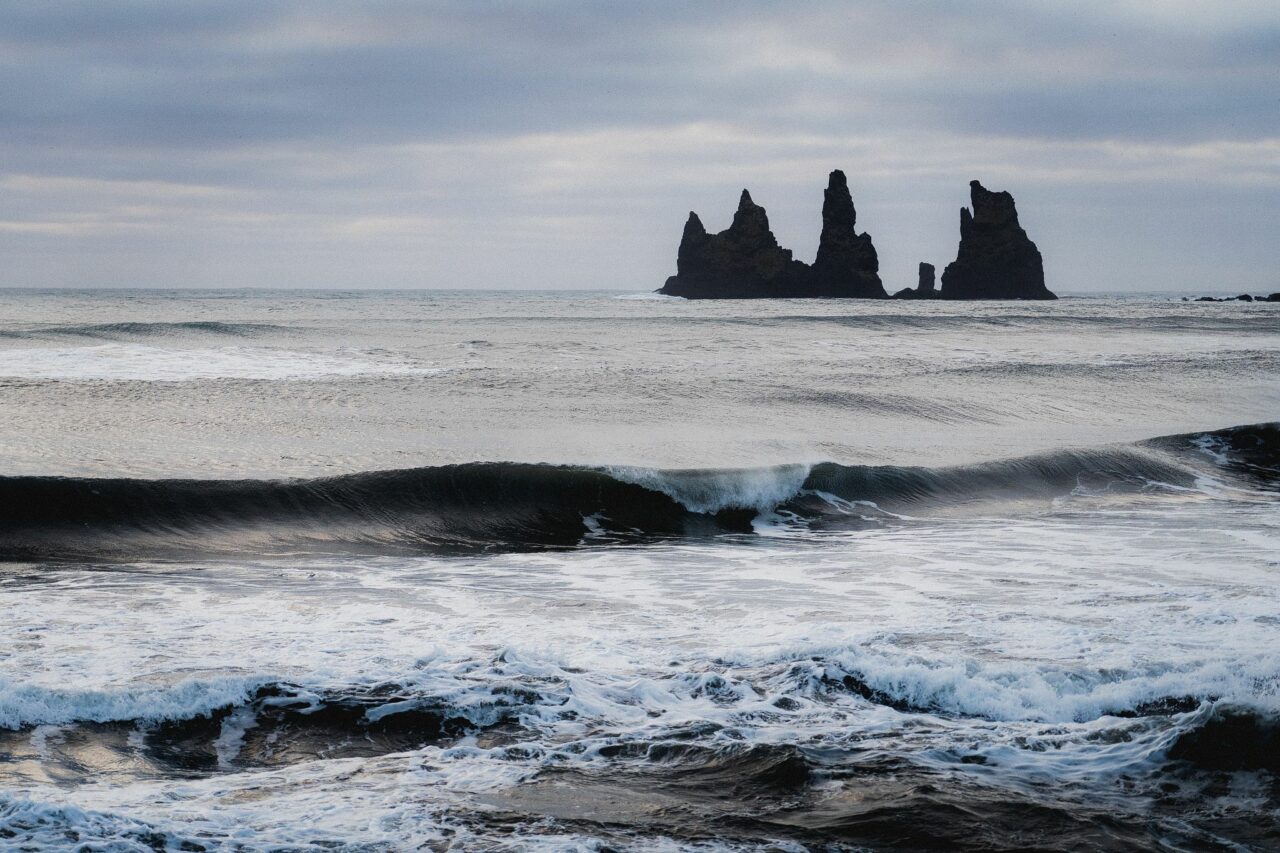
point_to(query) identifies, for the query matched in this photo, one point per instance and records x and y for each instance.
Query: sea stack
(847, 264)
(745, 261)
(996, 258)
(742, 262)
(924, 289)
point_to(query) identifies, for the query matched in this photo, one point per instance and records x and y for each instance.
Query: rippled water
(966, 576)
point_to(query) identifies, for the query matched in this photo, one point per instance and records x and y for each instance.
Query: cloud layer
(403, 144)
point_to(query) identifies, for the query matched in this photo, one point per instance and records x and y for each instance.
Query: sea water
(377, 571)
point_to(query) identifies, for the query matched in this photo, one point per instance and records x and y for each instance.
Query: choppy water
(289, 572)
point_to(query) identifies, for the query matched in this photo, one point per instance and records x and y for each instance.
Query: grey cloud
(208, 76)
(399, 137)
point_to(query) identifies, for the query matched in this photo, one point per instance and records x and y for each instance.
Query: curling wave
(512, 506)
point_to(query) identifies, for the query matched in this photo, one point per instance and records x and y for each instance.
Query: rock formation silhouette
(926, 279)
(1244, 297)
(745, 261)
(996, 258)
(924, 289)
(847, 264)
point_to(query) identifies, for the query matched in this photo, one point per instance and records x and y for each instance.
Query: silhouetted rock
(745, 261)
(996, 259)
(926, 279)
(742, 261)
(846, 264)
(924, 289)
(1244, 297)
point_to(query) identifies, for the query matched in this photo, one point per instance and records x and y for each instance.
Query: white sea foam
(1053, 693)
(560, 698)
(231, 739)
(140, 362)
(1213, 447)
(866, 509)
(710, 491)
(27, 704)
(906, 610)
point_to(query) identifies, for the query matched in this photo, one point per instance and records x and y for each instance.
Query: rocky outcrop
(1244, 297)
(924, 289)
(745, 261)
(996, 258)
(847, 264)
(925, 286)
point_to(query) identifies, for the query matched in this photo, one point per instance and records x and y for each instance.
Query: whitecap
(710, 490)
(140, 362)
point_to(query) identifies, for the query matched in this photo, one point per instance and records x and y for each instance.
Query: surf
(496, 506)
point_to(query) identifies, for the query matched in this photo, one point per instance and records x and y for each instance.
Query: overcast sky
(251, 143)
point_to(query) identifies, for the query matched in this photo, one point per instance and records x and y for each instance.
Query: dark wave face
(462, 507)
(516, 506)
(1252, 452)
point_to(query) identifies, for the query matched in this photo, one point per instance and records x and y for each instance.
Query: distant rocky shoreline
(1244, 297)
(995, 259)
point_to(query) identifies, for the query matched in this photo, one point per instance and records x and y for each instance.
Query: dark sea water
(502, 571)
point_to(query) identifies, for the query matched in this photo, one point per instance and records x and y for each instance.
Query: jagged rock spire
(847, 260)
(693, 227)
(691, 242)
(751, 224)
(838, 214)
(996, 259)
(992, 208)
(745, 260)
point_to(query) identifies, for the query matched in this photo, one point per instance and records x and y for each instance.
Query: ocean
(382, 571)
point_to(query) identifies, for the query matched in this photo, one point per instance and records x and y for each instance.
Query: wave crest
(512, 506)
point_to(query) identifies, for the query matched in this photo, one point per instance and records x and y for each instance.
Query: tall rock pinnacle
(996, 259)
(925, 285)
(691, 243)
(846, 264)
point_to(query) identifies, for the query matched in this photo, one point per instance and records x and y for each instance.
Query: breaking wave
(1227, 713)
(452, 696)
(710, 734)
(514, 506)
